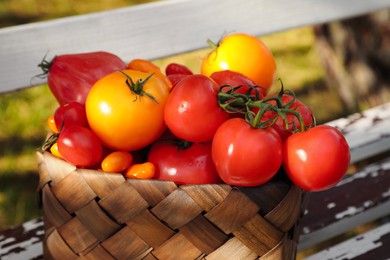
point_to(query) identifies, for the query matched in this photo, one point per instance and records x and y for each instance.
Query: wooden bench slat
(157, 30)
(358, 199)
(367, 133)
(373, 244)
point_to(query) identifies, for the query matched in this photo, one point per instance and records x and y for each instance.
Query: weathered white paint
(360, 244)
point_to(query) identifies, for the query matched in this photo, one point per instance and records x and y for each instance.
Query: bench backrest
(158, 29)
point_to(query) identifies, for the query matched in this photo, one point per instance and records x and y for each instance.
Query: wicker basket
(96, 215)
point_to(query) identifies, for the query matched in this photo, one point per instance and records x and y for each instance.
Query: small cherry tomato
(175, 68)
(52, 124)
(69, 114)
(79, 146)
(192, 112)
(246, 156)
(144, 170)
(54, 151)
(245, 54)
(316, 159)
(117, 161)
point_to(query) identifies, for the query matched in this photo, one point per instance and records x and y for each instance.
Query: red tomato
(175, 68)
(71, 76)
(293, 123)
(176, 78)
(192, 112)
(317, 159)
(235, 79)
(70, 114)
(246, 156)
(79, 146)
(183, 165)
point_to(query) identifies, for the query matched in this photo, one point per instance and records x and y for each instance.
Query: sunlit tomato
(54, 151)
(144, 170)
(245, 54)
(79, 146)
(246, 156)
(52, 124)
(291, 123)
(117, 161)
(183, 164)
(127, 116)
(71, 113)
(176, 68)
(192, 112)
(149, 67)
(317, 159)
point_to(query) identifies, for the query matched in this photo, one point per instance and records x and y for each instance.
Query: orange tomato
(144, 170)
(149, 67)
(126, 109)
(245, 54)
(52, 124)
(117, 161)
(54, 151)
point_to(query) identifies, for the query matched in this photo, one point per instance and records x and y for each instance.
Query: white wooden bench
(166, 28)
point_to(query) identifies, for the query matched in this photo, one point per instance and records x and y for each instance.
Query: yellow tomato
(149, 67)
(52, 124)
(245, 54)
(117, 161)
(126, 109)
(54, 151)
(141, 171)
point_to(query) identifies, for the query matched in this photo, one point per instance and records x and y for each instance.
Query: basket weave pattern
(96, 215)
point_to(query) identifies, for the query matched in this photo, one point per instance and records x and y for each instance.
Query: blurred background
(337, 69)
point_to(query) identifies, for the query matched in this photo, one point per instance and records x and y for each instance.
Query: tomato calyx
(52, 139)
(253, 107)
(45, 65)
(138, 87)
(179, 143)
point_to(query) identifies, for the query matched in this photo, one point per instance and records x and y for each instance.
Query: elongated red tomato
(246, 156)
(317, 159)
(71, 76)
(192, 112)
(183, 165)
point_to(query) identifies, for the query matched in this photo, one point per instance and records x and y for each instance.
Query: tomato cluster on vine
(218, 126)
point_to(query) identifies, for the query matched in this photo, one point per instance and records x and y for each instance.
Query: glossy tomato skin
(235, 79)
(245, 54)
(317, 159)
(79, 146)
(176, 68)
(192, 165)
(71, 76)
(122, 119)
(192, 112)
(69, 114)
(293, 122)
(245, 156)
